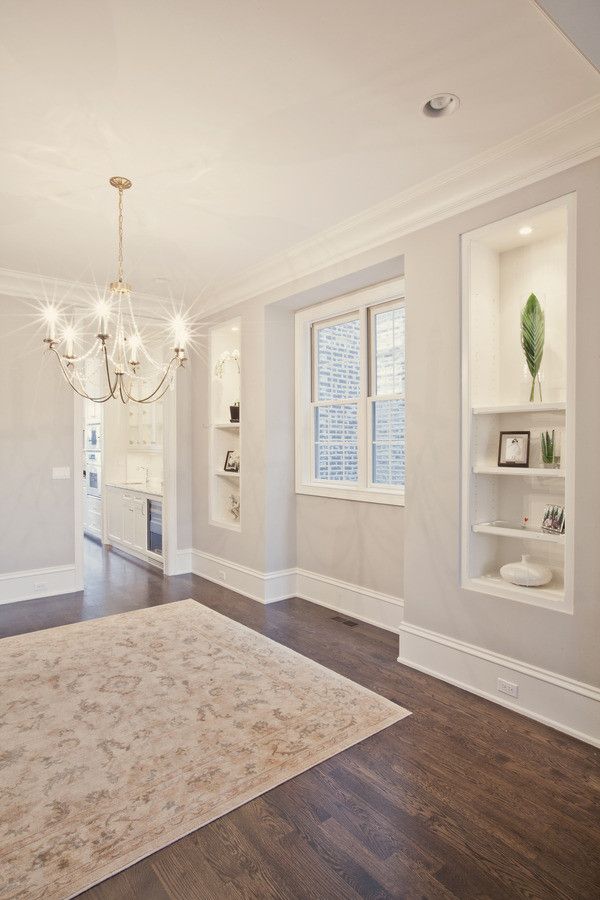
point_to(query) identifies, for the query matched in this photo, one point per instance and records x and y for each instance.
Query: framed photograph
(553, 520)
(513, 449)
(232, 461)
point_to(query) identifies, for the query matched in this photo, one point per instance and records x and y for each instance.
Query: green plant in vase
(549, 449)
(532, 340)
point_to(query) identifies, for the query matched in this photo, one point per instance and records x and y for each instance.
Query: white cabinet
(127, 516)
(114, 500)
(145, 426)
(92, 516)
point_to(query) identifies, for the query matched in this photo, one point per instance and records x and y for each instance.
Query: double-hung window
(350, 403)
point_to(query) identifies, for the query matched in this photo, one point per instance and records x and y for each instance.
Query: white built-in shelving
(502, 507)
(529, 472)
(225, 389)
(521, 534)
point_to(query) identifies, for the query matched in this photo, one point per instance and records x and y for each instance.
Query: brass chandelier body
(120, 357)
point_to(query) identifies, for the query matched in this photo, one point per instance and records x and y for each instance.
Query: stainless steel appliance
(93, 437)
(92, 473)
(154, 520)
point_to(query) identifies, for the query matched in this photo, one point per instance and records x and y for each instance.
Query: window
(350, 415)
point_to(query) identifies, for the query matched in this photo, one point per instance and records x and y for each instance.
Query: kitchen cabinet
(127, 517)
(92, 515)
(145, 425)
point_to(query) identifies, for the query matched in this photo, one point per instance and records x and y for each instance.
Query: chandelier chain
(120, 272)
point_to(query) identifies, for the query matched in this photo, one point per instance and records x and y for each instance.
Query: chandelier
(123, 364)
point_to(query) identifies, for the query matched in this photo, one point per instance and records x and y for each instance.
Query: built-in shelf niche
(500, 268)
(225, 389)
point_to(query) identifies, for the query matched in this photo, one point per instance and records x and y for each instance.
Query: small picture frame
(553, 520)
(232, 461)
(513, 449)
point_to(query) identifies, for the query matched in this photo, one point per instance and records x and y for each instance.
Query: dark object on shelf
(234, 413)
(513, 449)
(232, 461)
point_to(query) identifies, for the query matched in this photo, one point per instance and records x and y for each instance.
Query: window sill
(347, 492)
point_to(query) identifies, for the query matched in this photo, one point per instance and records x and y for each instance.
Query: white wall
(36, 434)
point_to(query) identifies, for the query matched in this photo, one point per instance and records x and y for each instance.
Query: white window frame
(389, 295)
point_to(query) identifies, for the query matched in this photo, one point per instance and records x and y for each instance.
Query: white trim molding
(364, 604)
(265, 587)
(565, 704)
(30, 583)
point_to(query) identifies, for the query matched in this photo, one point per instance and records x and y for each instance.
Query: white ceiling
(247, 126)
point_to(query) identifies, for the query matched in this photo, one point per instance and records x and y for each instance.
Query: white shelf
(518, 408)
(228, 426)
(222, 474)
(523, 534)
(548, 595)
(516, 470)
(499, 271)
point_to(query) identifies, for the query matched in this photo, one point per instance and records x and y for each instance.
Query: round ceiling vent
(441, 105)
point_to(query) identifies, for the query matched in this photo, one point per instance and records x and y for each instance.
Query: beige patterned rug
(120, 735)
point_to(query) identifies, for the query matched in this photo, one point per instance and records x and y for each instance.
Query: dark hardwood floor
(462, 799)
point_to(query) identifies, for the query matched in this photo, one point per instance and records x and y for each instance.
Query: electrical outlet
(508, 687)
(222, 575)
(39, 585)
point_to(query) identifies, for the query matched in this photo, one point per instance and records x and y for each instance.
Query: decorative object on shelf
(513, 449)
(550, 450)
(118, 360)
(532, 340)
(234, 412)
(526, 573)
(553, 520)
(232, 461)
(234, 505)
(225, 357)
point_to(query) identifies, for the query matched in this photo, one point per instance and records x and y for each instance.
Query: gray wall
(563, 643)
(36, 434)
(357, 542)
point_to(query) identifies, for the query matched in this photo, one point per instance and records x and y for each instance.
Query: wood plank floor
(462, 799)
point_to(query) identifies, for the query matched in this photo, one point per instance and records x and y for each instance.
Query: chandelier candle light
(122, 356)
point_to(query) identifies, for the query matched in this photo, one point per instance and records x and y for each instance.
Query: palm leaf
(532, 339)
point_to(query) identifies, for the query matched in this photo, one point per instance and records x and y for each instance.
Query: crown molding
(552, 146)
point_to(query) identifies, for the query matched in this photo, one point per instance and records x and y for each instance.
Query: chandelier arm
(112, 388)
(69, 380)
(155, 393)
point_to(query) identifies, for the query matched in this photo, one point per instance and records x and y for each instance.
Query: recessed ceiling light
(440, 105)
(235, 328)
(526, 229)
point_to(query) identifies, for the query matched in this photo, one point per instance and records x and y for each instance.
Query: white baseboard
(361, 603)
(30, 583)
(260, 586)
(183, 562)
(348, 599)
(565, 704)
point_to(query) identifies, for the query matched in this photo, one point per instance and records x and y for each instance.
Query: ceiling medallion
(123, 359)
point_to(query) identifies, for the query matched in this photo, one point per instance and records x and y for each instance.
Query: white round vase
(526, 572)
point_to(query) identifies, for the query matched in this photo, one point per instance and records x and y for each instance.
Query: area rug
(121, 735)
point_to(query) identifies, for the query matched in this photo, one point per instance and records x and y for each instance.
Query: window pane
(338, 361)
(389, 351)
(388, 464)
(336, 442)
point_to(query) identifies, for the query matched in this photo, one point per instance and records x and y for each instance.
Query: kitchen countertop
(138, 487)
